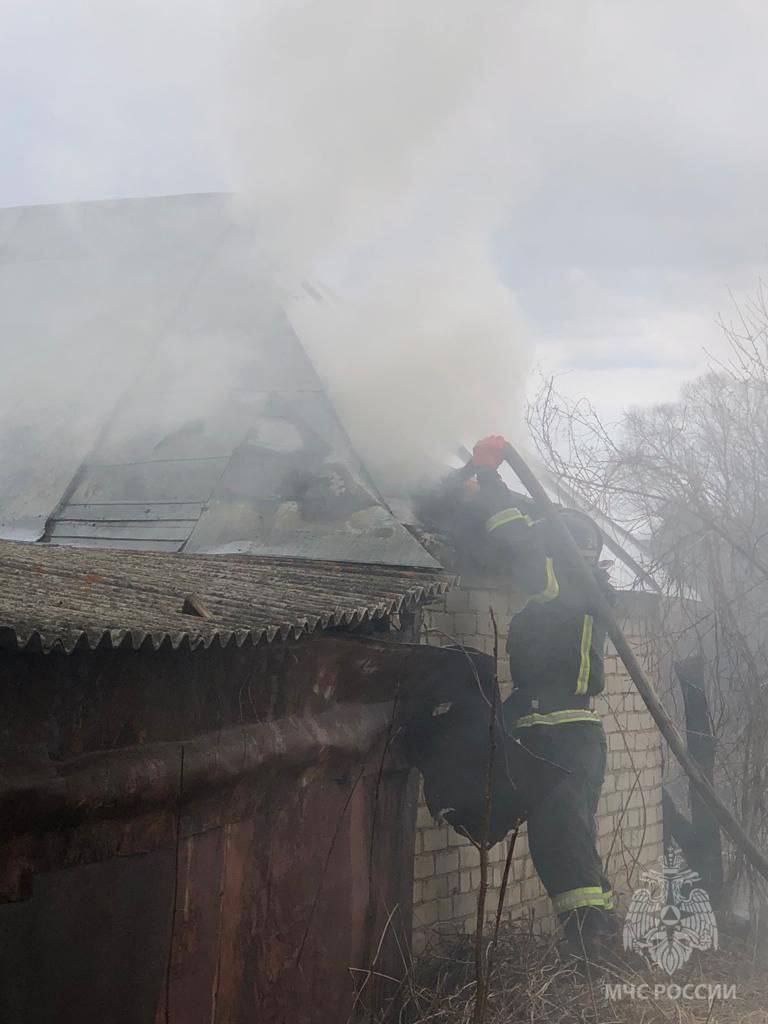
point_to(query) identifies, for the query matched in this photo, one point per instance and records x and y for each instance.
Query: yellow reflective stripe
(588, 896)
(557, 718)
(552, 589)
(586, 646)
(608, 899)
(507, 515)
(511, 515)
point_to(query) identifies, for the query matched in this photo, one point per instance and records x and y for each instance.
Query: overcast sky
(608, 155)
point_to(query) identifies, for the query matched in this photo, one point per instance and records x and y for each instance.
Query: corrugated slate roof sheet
(62, 598)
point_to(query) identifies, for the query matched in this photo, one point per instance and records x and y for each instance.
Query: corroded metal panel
(194, 954)
(91, 944)
(262, 835)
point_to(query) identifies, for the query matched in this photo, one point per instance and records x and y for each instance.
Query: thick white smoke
(424, 358)
(363, 138)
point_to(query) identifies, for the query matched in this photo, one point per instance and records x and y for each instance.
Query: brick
(464, 905)
(655, 832)
(425, 914)
(514, 895)
(497, 853)
(641, 759)
(454, 839)
(457, 600)
(469, 856)
(606, 825)
(446, 932)
(482, 600)
(466, 624)
(523, 868)
(423, 818)
(445, 909)
(440, 622)
(543, 909)
(650, 779)
(453, 883)
(498, 875)
(418, 943)
(613, 802)
(446, 861)
(635, 837)
(626, 781)
(483, 617)
(434, 839)
(531, 888)
(424, 865)
(434, 888)
(604, 843)
(483, 643)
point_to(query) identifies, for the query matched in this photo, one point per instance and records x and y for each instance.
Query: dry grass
(533, 983)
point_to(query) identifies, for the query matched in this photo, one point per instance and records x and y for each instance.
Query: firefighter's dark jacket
(556, 643)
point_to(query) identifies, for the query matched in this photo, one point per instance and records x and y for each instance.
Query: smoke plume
(362, 140)
(360, 137)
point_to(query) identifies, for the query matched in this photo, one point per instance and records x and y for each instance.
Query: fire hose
(730, 824)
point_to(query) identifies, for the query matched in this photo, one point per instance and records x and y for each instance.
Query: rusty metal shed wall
(261, 894)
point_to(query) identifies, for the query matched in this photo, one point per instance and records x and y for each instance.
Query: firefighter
(556, 649)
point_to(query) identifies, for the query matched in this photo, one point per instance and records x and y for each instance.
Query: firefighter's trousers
(562, 831)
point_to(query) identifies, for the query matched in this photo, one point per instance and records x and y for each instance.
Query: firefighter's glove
(489, 451)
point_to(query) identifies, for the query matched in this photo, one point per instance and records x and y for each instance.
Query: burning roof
(185, 413)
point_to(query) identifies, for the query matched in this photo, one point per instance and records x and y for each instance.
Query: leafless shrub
(532, 982)
(691, 479)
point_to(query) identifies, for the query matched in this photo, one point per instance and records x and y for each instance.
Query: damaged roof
(160, 397)
(60, 598)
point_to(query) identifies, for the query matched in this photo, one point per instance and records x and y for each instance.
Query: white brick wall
(446, 869)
